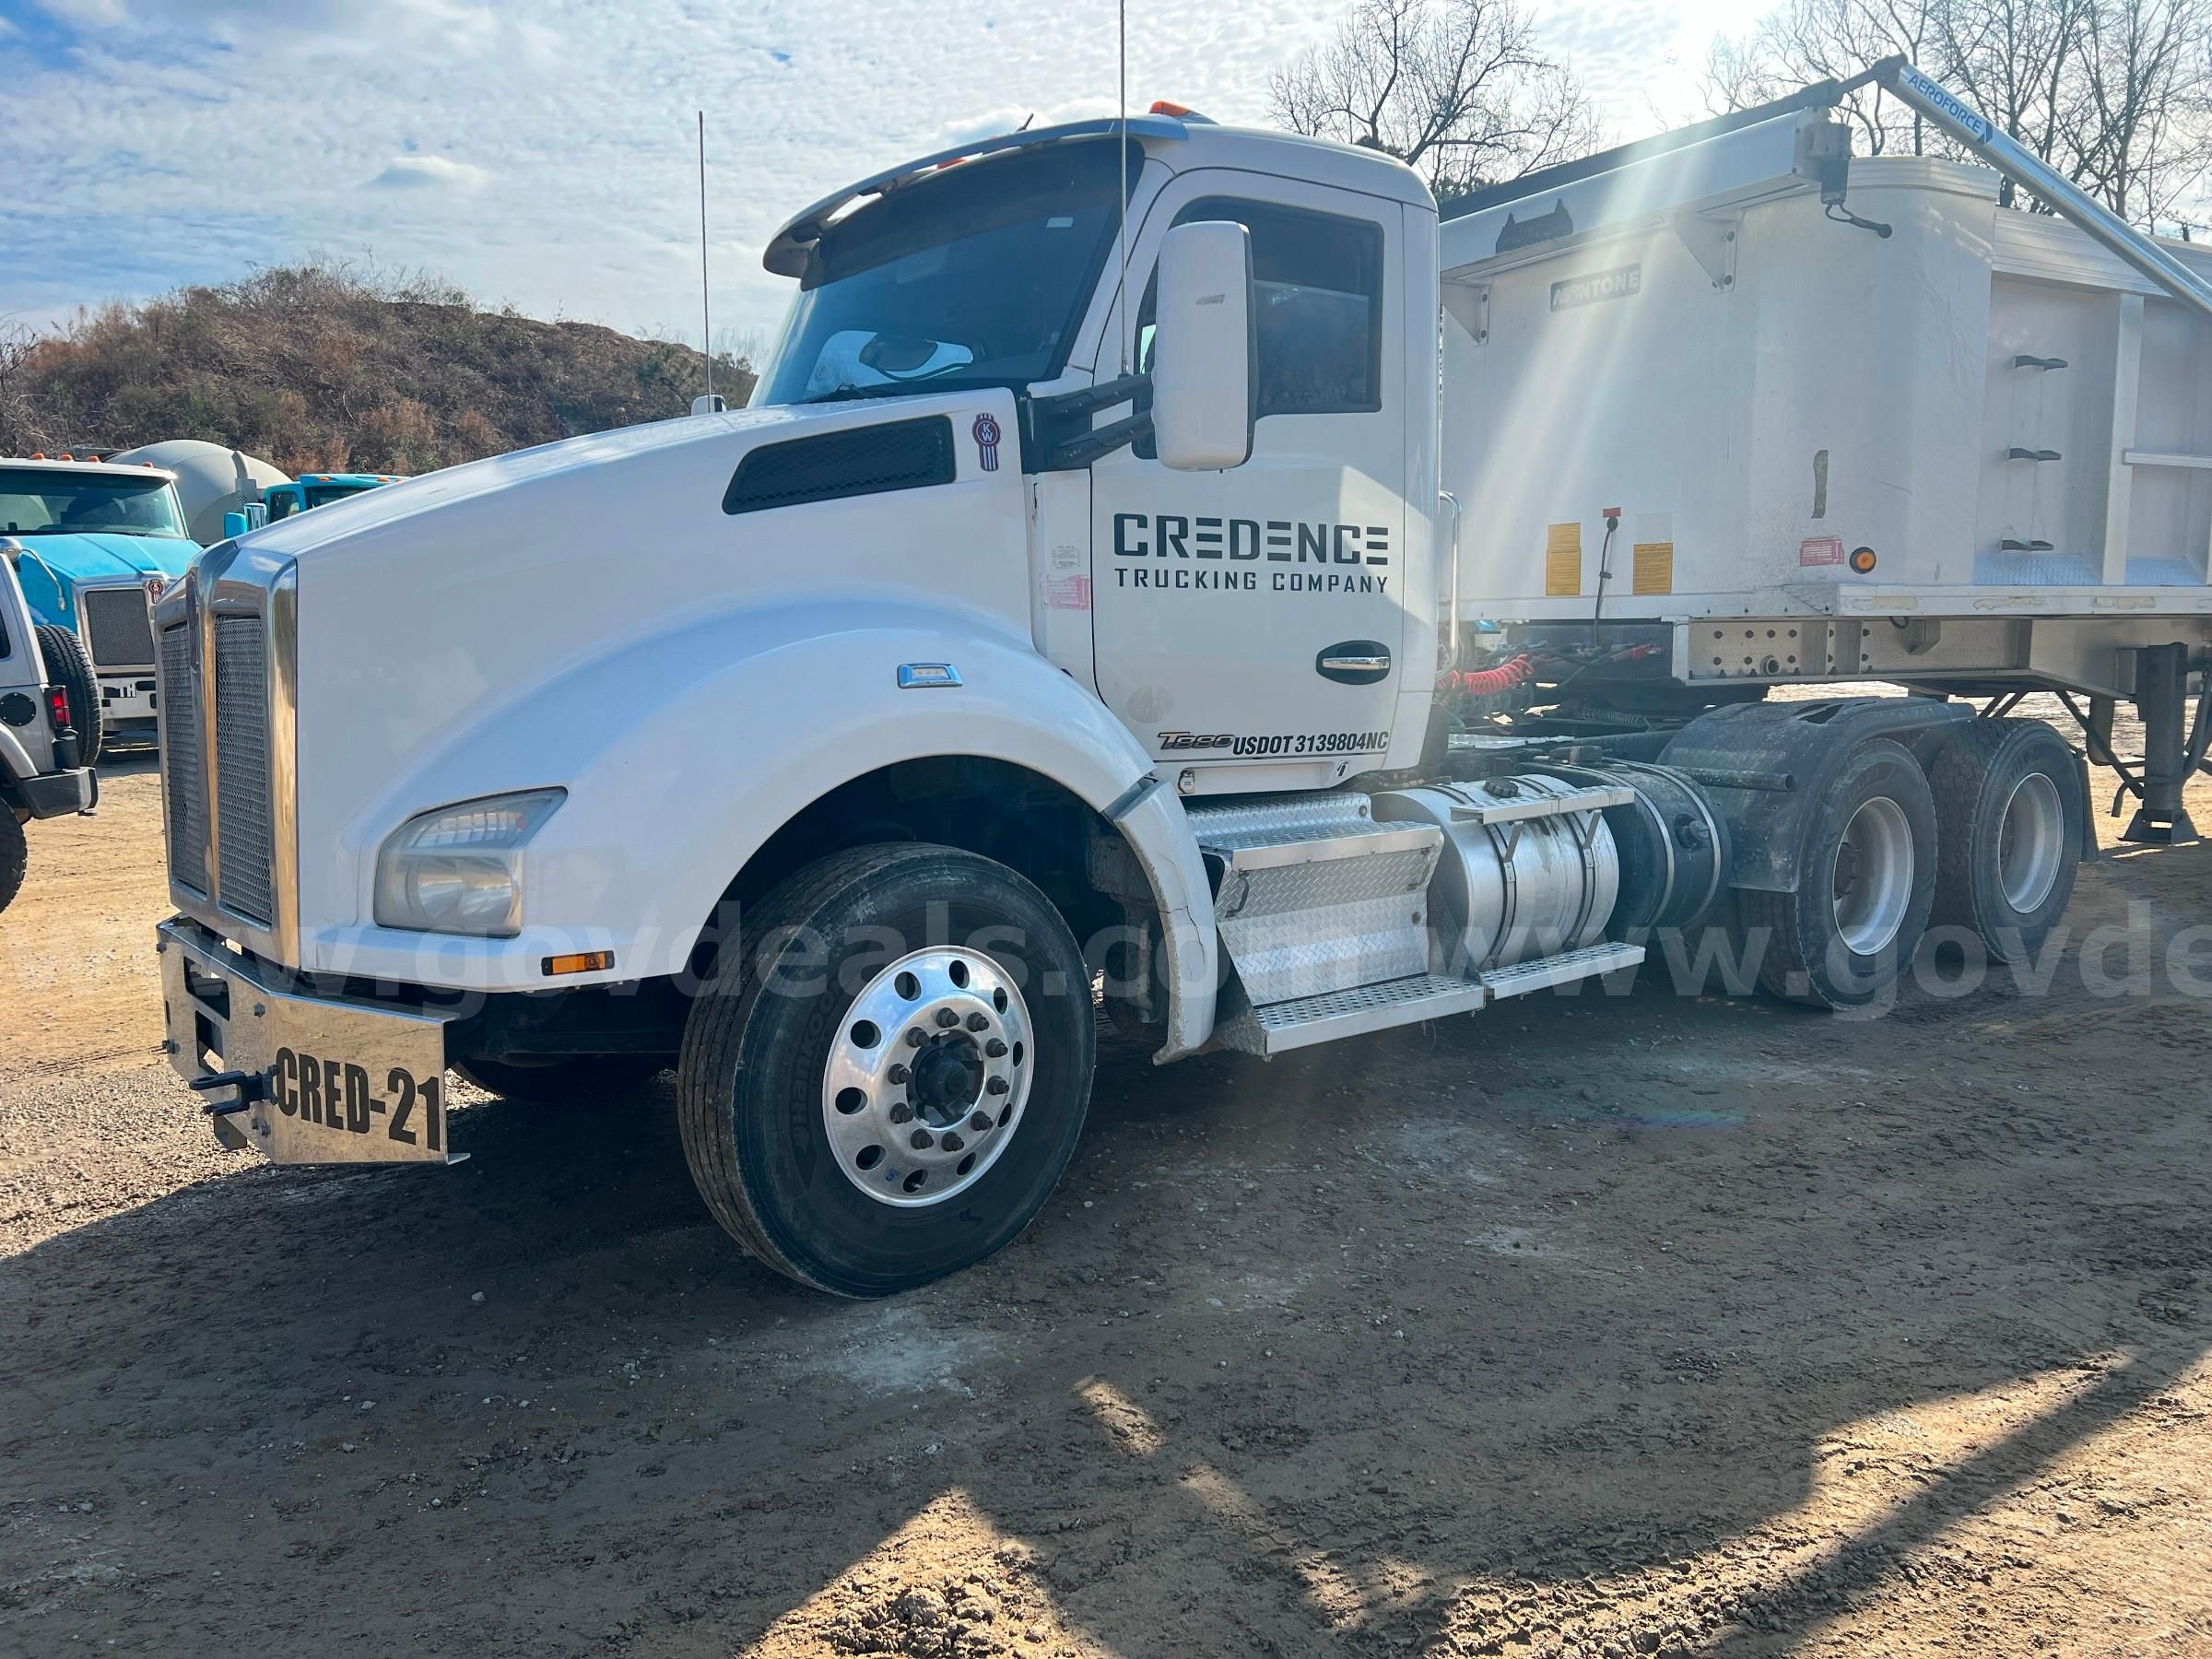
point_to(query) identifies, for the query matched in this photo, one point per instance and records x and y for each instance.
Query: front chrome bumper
(304, 1078)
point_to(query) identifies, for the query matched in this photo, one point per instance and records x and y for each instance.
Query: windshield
(44, 502)
(975, 275)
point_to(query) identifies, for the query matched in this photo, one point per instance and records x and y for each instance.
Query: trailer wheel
(2010, 801)
(885, 1083)
(69, 667)
(1869, 877)
(15, 855)
(575, 1080)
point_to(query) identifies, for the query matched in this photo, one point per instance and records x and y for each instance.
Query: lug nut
(922, 1140)
(953, 1143)
(980, 1121)
(897, 1074)
(976, 1022)
(902, 1113)
(995, 1049)
(996, 1085)
(916, 1037)
(947, 1018)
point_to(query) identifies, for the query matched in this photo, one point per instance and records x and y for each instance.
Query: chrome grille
(245, 857)
(184, 779)
(118, 631)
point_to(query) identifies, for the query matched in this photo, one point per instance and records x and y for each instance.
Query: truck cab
(318, 490)
(92, 536)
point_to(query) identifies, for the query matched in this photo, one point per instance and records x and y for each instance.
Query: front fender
(684, 752)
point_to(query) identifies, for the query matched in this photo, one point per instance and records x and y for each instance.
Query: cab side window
(1317, 299)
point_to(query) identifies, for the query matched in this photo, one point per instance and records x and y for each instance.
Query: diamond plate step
(1546, 971)
(1315, 895)
(1278, 1028)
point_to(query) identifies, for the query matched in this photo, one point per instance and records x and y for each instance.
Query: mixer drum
(1507, 892)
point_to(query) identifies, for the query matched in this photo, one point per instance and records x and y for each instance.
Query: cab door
(1257, 616)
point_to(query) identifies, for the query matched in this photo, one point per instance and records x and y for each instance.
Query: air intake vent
(245, 848)
(183, 783)
(120, 632)
(905, 454)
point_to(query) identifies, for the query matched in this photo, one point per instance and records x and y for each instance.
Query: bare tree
(2142, 116)
(2115, 94)
(1460, 91)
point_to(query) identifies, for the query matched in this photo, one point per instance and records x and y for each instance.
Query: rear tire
(814, 1141)
(2010, 802)
(69, 667)
(1865, 886)
(577, 1080)
(15, 855)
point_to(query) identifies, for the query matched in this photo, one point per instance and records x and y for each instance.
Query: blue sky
(541, 153)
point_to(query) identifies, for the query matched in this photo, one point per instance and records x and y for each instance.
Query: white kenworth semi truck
(1160, 565)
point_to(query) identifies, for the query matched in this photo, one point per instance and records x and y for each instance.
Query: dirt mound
(329, 368)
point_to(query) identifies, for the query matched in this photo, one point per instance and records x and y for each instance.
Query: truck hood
(358, 519)
(98, 557)
(441, 616)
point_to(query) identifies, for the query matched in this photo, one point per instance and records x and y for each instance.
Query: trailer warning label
(1819, 550)
(1617, 283)
(1562, 562)
(1653, 571)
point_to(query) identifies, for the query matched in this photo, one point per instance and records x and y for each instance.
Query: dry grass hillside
(324, 367)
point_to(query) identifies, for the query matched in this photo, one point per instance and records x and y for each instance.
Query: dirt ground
(1595, 1325)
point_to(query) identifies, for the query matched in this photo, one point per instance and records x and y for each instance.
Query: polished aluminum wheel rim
(2031, 842)
(1874, 875)
(927, 1076)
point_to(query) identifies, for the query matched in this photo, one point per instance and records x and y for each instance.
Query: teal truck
(318, 490)
(86, 539)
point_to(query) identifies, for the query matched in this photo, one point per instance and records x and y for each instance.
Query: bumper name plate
(325, 1080)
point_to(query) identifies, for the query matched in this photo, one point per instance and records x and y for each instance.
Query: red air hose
(1488, 682)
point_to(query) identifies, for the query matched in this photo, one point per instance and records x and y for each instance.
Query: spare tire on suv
(68, 667)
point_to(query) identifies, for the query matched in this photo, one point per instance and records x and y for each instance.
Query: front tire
(1865, 886)
(884, 1083)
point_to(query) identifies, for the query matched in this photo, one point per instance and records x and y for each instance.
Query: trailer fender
(684, 751)
(1766, 763)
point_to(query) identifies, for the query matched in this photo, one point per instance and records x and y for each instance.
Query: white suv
(40, 772)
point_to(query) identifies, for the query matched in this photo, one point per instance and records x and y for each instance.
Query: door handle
(1354, 662)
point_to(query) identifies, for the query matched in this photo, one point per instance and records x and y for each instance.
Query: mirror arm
(1086, 447)
(1057, 429)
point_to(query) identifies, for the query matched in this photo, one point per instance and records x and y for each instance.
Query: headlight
(459, 869)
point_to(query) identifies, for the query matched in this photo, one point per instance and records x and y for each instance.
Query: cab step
(1542, 972)
(1278, 1028)
(1315, 896)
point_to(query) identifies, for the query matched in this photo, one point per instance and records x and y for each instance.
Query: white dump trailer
(1795, 417)
(1125, 578)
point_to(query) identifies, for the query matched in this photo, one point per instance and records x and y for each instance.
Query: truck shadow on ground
(1569, 1319)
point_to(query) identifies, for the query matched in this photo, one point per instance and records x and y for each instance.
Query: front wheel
(884, 1083)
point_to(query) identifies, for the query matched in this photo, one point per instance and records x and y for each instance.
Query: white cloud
(150, 141)
(429, 172)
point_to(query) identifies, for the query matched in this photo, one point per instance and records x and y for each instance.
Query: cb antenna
(706, 310)
(1128, 323)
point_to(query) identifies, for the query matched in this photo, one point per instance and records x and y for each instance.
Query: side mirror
(1203, 355)
(234, 525)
